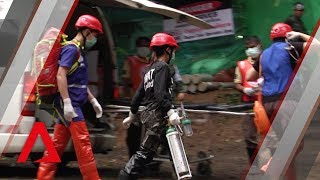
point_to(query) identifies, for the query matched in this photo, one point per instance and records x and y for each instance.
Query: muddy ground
(217, 135)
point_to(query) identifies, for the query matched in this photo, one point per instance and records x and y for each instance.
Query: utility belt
(273, 98)
(47, 100)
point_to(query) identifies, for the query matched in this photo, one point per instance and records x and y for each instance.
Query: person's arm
(293, 34)
(162, 96)
(238, 80)
(137, 98)
(178, 84)
(176, 77)
(62, 82)
(238, 84)
(304, 37)
(90, 95)
(68, 110)
(178, 80)
(135, 103)
(179, 89)
(252, 75)
(239, 87)
(126, 82)
(67, 58)
(95, 104)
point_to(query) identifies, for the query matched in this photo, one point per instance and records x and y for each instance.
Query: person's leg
(133, 138)
(143, 156)
(82, 146)
(250, 133)
(154, 166)
(279, 126)
(61, 136)
(154, 124)
(285, 117)
(271, 140)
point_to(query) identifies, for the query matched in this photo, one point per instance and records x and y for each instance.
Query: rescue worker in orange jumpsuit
(73, 94)
(133, 69)
(253, 51)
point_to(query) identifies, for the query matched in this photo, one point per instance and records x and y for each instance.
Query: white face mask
(253, 52)
(143, 51)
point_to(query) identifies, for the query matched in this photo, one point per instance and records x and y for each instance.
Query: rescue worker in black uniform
(155, 91)
(295, 21)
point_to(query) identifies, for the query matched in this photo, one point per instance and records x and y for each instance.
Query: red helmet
(90, 22)
(161, 39)
(279, 30)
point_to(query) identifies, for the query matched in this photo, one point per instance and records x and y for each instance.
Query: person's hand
(127, 121)
(260, 82)
(249, 91)
(174, 118)
(68, 110)
(97, 107)
(292, 35)
(180, 96)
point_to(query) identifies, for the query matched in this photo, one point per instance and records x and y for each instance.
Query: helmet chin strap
(170, 55)
(84, 40)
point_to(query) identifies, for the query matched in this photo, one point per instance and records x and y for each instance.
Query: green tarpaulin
(251, 17)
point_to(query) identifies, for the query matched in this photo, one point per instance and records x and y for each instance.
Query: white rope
(119, 109)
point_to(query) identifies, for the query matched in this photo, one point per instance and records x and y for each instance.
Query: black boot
(124, 176)
(251, 154)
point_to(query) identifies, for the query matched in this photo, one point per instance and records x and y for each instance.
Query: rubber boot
(251, 154)
(133, 139)
(82, 146)
(60, 140)
(124, 176)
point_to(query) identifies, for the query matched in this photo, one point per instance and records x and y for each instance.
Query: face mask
(253, 52)
(143, 51)
(90, 43)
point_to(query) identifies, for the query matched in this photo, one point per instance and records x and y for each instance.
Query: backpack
(45, 64)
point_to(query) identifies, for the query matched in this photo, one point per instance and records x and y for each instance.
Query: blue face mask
(90, 43)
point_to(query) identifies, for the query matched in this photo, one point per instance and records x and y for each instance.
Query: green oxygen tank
(186, 122)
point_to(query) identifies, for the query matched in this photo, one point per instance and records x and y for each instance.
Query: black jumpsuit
(155, 92)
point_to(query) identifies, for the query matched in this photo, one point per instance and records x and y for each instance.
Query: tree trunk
(208, 86)
(198, 78)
